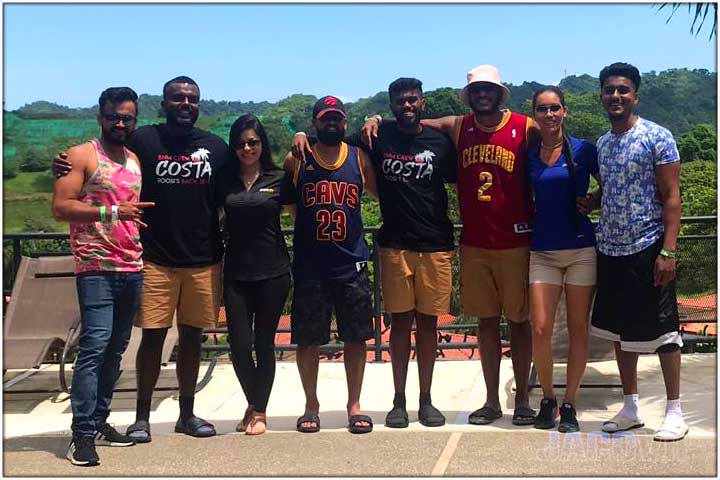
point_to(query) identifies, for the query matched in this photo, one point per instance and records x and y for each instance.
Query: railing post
(376, 297)
(16, 256)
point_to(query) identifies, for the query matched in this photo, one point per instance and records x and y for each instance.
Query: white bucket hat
(486, 74)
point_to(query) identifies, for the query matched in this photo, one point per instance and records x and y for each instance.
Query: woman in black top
(257, 265)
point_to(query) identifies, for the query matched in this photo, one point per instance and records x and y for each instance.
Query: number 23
(324, 218)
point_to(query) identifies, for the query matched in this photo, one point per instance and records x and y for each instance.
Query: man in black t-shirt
(412, 164)
(182, 249)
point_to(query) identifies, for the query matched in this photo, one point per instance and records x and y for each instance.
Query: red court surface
(703, 309)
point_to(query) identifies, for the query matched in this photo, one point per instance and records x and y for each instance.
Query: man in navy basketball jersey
(330, 260)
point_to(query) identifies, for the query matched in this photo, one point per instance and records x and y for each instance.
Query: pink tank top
(108, 247)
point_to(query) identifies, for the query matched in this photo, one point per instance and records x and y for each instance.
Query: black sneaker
(107, 436)
(82, 452)
(548, 414)
(568, 419)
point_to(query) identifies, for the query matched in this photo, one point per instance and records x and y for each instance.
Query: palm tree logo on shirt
(424, 157)
(200, 155)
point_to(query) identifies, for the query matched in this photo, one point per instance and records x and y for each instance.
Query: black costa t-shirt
(255, 246)
(411, 171)
(178, 174)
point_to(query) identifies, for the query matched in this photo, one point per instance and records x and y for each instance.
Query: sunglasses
(622, 90)
(250, 143)
(545, 108)
(115, 118)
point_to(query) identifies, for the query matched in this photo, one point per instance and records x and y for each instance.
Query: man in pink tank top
(99, 198)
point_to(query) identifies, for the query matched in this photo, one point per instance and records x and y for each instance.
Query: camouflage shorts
(313, 304)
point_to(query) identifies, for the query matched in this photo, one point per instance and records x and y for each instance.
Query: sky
(68, 54)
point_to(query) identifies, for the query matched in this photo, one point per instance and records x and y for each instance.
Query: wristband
(114, 213)
(103, 214)
(377, 117)
(668, 253)
(301, 133)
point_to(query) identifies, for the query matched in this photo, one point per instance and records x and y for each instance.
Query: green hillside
(680, 99)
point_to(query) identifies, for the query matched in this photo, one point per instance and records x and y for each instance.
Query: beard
(409, 123)
(331, 136)
(116, 136)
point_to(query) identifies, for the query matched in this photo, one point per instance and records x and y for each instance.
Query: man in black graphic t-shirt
(412, 164)
(182, 249)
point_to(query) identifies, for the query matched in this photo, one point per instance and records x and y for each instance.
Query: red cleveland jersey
(492, 184)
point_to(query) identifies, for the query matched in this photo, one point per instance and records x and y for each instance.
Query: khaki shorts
(577, 266)
(194, 292)
(494, 282)
(420, 281)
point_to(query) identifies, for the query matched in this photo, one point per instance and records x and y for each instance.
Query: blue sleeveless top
(329, 241)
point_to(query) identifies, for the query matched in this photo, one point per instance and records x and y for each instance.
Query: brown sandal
(257, 417)
(246, 419)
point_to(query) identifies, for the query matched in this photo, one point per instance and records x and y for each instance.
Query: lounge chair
(128, 361)
(43, 316)
(43, 313)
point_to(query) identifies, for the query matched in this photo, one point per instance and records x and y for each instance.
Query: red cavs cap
(328, 104)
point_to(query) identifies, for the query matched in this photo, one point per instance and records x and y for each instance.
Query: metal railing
(697, 267)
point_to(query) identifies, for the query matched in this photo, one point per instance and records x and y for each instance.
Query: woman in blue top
(562, 251)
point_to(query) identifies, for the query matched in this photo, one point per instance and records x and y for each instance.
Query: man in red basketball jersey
(495, 207)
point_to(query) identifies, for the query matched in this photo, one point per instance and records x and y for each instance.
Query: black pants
(253, 310)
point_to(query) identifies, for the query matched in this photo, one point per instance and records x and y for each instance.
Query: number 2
(486, 179)
(324, 218)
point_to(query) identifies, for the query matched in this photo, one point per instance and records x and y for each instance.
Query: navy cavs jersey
(329, 241)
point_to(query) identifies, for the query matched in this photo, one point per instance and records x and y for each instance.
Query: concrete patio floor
(36, 428)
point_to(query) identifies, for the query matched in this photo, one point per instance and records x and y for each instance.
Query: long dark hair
(247, 122)
(566, 148)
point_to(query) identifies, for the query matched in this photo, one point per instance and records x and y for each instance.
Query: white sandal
(621, 423)
(672, 429)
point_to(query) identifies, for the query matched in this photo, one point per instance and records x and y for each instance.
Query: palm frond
(701, 11)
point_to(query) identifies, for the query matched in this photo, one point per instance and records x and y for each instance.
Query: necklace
(249, 183)
(551, 147)
(331, 165)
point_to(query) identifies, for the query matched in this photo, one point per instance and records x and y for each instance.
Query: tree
(700, 143)
(444, 101)
(357, 111)
(700, 13)
(280, 139)
(579, 84)
(698, 188)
